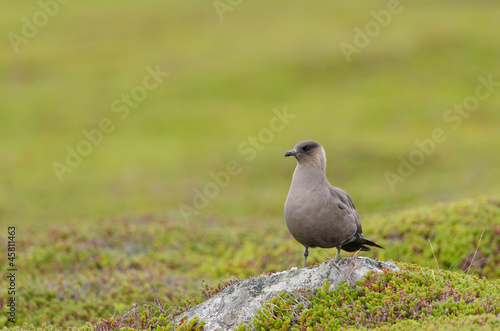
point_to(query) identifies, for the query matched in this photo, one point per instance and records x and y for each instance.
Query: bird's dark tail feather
(359, 245)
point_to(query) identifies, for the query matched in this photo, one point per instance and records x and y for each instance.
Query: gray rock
(240, 301)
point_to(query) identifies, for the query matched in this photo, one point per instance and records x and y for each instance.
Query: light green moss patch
(462, 236)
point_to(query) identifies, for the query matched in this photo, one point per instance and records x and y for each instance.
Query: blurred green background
(227, 77)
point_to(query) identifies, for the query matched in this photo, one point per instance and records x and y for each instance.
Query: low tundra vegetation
(80, 273)
(413, 298)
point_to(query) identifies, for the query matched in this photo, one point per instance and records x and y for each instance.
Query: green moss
(483, 322)
(411, 298)
(80, 273)
(462, 236)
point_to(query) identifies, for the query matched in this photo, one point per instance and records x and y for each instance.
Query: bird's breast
(315, 221)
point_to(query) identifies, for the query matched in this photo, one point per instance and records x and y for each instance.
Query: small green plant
(208, 291)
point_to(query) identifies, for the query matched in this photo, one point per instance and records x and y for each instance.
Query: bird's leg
(338, 252)
(306, 253)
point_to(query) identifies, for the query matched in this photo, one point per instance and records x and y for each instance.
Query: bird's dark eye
(306, 148)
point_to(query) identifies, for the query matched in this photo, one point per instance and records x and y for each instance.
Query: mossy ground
(82, 273)
(414, 297)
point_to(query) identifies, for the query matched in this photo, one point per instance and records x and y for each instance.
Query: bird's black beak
(291, 153)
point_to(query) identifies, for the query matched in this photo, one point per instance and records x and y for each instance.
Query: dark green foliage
(412, 297)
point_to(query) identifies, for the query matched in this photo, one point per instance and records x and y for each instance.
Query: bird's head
(309, 153)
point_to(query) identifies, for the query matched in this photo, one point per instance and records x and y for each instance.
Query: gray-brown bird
(318, 214)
